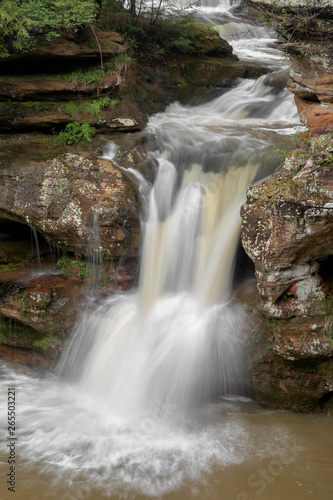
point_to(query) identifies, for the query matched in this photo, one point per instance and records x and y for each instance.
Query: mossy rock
(211, 71)
(14, 333)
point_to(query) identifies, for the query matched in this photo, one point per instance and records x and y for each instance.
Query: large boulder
(287, 224)
(69, 233)
(70, 198)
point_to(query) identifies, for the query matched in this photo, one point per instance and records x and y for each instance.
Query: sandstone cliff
(287, 230)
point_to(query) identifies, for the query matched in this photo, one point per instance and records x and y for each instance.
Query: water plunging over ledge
(176, 339)
(147, 398)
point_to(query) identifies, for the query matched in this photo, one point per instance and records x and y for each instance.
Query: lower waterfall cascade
(147, 399)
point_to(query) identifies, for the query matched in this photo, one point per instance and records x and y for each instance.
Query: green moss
(328, 160)
(35, 105)
(70, 108)
(22, 301)
(12, 330)
(89, 77)
(210, 71)
(105, 280)
(46, 343)
(269, 345)
(94, 76)
(38, 106)
(256, 337)
(13, 266)
(93, 108)
(270, 322)
(69, 266)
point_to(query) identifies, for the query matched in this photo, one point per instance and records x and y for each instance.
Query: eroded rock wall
(287, 229)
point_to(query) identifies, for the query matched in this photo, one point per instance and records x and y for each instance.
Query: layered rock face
(62, 81)
(69, 199)
(65, 80)
(287, 230)
(311, 80)
(69, 223)
(287, 224)
(306, 33)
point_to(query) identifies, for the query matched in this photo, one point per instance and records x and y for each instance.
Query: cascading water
(223, 5)
(125, 415)
(188, 337)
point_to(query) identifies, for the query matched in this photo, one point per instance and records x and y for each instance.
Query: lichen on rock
(287, 230)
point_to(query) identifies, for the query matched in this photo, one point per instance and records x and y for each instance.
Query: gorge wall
(287, 230)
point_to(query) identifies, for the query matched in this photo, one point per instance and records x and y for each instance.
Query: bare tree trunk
(158, 12)
(133, 9)
(99, 48)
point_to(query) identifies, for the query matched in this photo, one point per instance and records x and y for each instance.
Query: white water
(127, 410)
(221, 5)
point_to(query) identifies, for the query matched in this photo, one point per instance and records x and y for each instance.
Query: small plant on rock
(74, 133)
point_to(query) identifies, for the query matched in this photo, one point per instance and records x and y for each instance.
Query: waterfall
(137, 407)
(223, 5)
(177, 340)
(35, 243)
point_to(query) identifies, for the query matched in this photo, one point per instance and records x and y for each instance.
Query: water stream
(147, 400)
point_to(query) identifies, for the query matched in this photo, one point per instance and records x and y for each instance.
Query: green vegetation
(284, 152)
(297, 22)
(105, 280)
(72, 108)
(89, 77)
(256, 337)
(13, 266)
(300, 140)
(152, 32)
(101, 103)
(22, 301)
(74, 133)
(155, 39)
(94, 76)
(46, 342)
(328, 160)
(70, 266)
(319, 150)
(12, 329)
(21, 21)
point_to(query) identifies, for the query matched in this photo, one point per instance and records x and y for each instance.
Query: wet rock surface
(69, 231)
(311, 80)
(287, 224)
(64, 197)
(289, 363)
(306, 35)
(287, 230)
(27, 357)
